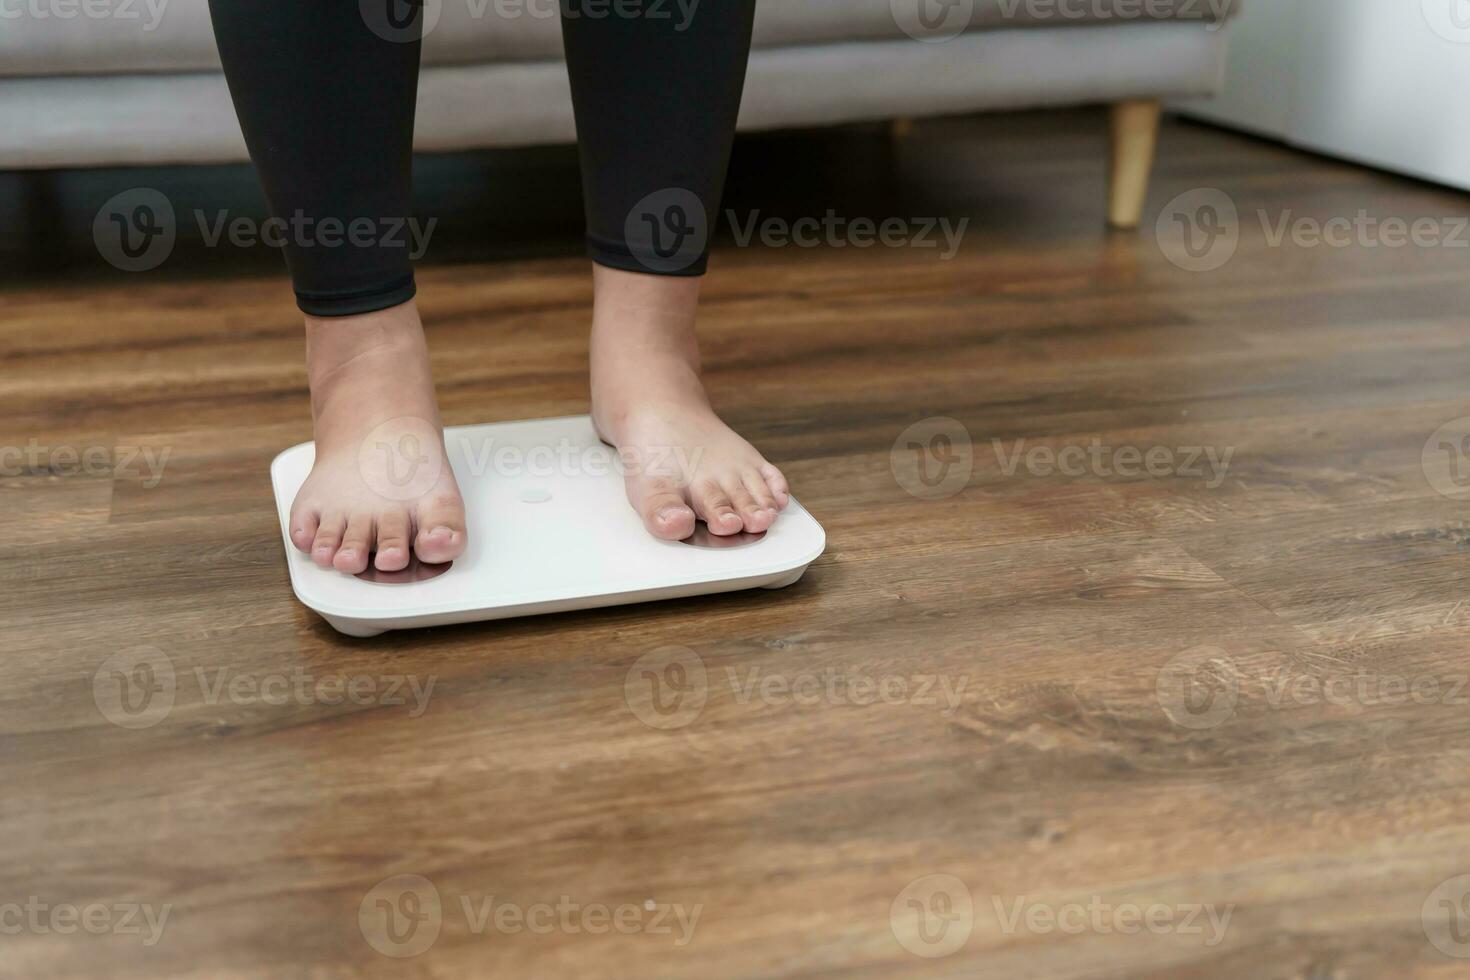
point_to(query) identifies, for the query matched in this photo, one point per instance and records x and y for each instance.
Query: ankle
(359, 367)
(333, 341)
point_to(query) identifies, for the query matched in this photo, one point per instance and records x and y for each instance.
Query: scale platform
(550, 530)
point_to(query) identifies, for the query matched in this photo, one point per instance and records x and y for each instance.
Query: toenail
(671, 513)
(441, 532)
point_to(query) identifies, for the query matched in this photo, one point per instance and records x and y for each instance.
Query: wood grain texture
(1082, 694)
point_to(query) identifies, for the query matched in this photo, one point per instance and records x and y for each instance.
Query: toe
(777, 482)
(328, 537)
(661, 505)
(712, 504)
(765, 501)
(752, 518)
(441, 526)
(303, 528)
(393, 529)
(357, 544)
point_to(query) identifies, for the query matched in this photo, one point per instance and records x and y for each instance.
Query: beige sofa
(117, 82)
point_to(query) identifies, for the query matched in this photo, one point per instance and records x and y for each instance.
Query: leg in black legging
(656, 99)
(656, 91)
(325, 92)
(326, 102)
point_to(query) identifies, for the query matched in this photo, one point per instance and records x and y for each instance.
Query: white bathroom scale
(550, 530)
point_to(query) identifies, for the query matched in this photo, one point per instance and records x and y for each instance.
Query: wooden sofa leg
(1134, 129)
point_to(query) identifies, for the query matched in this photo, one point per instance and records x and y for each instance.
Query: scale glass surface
(550, 530)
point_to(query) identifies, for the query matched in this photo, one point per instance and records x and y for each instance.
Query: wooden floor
(1200, 723)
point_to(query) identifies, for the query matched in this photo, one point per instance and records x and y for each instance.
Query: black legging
(326, 102)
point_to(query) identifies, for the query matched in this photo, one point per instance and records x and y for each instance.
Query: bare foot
(648, 400)
(381, 486)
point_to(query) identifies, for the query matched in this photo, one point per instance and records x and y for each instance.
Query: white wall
(1384, 82)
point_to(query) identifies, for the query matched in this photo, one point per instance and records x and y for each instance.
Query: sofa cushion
(71, 37)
